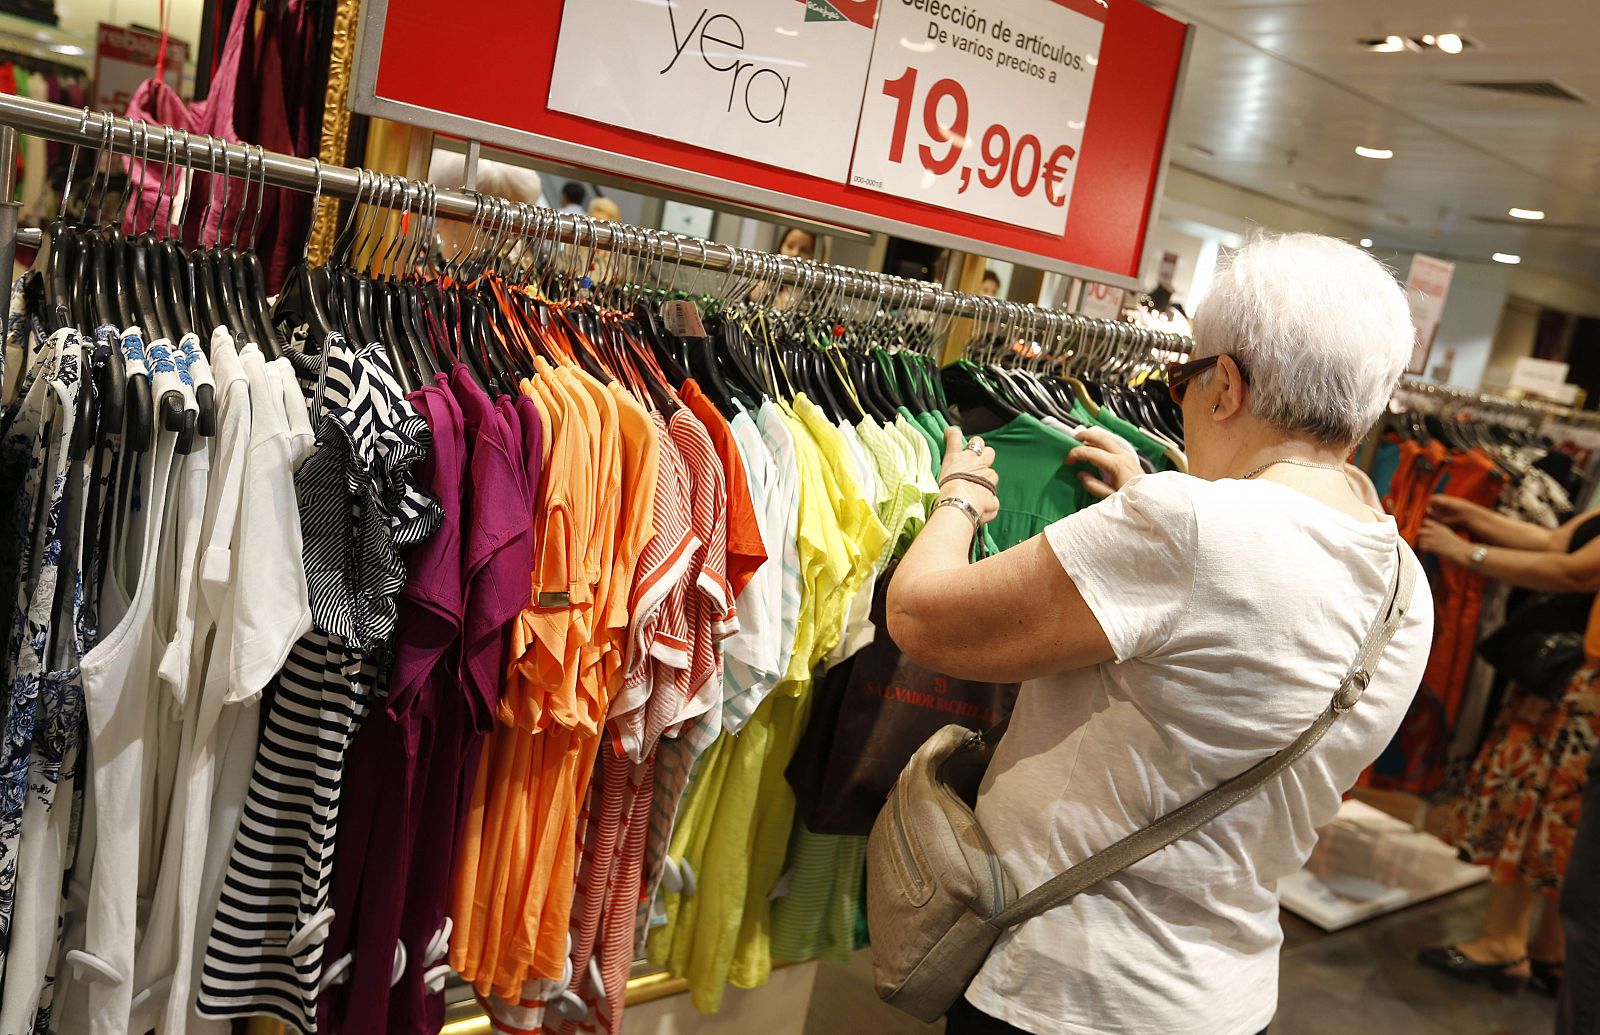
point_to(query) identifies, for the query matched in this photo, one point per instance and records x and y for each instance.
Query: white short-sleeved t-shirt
(1234, 609)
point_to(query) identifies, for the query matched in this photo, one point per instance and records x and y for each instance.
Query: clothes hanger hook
(133, 190)
(677, 263)
(72, 166)
(211, 182)
(316, 209)
(453, 265)
(261, 195)
(244, 201)
(127, 183)
(102, 161)
(227, 187)
(170, 167)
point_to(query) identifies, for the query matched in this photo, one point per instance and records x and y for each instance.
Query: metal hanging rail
(1537, 409)
(163, 144)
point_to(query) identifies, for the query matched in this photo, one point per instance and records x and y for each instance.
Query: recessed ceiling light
(1385, 45)
(1366, 242)
(1450, 43)
(1507, 258)
(1428, 40)
(1525, 213)
(1374, 152)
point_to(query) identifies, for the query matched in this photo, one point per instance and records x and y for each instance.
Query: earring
(1214, 408)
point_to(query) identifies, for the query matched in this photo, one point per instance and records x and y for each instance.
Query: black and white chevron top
(360, 506)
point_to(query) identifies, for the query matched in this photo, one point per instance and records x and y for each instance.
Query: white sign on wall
(1101, 301)
(125, 57)
(1542, 377)
(773, 81)
(1426, 287)
(980, 108)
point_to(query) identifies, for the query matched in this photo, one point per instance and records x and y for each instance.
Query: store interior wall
(1191, 195)
(1479, 291)
(83, 17)
(1514, 337)
(1168, 236)
(1556, 292)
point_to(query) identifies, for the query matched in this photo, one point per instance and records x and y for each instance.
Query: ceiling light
(1375, 152)
(1386, 45)
(1450, 43)
(1507, 258)
(1525, 213)
(1428, 41)
(1366, 242)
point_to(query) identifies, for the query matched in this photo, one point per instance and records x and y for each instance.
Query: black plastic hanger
(111, 307)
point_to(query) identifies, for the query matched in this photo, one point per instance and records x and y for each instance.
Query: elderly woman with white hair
(1183, 629)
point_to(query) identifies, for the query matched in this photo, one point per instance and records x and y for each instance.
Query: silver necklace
(1297, 463)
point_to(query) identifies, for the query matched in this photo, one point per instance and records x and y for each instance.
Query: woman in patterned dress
(1519, 812)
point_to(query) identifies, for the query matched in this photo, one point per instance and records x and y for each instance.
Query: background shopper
(1519, 811)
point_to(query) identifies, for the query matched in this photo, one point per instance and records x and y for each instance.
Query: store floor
(1364, 979)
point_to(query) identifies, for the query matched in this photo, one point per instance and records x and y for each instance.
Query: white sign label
(1542, 377)
(980, 107)
(1101, 302)
(126, 57)
(774, 82)
(1426, 287)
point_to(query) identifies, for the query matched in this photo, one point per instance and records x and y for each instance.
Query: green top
(1037, 486)
(1143, 444)
(935, 439)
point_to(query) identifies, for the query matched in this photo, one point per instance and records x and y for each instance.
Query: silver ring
(975, 447)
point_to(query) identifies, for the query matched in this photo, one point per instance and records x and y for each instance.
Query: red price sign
(1021, 166)
(989, 118)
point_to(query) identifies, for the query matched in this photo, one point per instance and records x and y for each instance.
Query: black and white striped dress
(360, 506)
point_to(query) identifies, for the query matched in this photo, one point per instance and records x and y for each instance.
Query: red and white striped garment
(657, 674)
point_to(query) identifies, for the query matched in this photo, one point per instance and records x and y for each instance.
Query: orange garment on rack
(1421, 466)
(746, 552)
(569, 651)
(1414, 760)
(552, 759)
(542, 947)
(500, 840)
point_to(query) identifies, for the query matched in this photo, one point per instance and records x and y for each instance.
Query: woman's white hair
(1321, 329)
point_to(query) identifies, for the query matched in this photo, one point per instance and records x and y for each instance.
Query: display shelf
(1367, 864)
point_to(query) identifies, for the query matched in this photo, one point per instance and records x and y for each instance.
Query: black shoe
(1454, 962)
(1546, 979)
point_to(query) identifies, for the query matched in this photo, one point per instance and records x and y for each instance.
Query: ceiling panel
(1279, 94)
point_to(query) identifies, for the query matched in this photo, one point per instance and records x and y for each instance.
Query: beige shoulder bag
(937, 896)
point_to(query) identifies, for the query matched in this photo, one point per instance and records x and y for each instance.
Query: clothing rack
(1537, 410)
(163, 144)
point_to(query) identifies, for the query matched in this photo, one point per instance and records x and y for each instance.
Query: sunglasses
(1180, 374)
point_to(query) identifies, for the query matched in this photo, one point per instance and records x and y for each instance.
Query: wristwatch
(1476, 557)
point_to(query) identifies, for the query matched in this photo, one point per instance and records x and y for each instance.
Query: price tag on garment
(980, 107)
(682, 317)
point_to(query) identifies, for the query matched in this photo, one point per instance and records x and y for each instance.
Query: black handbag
(1541, 646)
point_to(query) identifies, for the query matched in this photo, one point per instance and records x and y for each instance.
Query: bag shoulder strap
(1189, 817)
